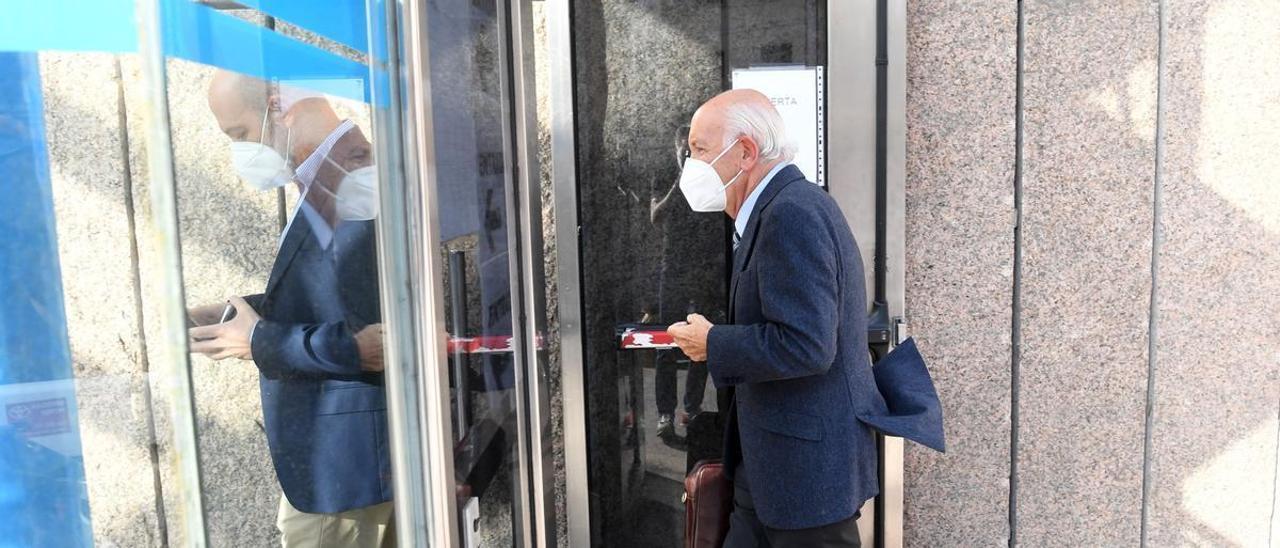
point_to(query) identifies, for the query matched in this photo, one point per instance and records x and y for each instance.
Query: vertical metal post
(882, 147)
(174, 370)
(569, 282)
(892, 492)
(514, 170)
(400, 249)
(458, 329)
(851, 142)
(532, 279)
(429, 333)
(282, 210)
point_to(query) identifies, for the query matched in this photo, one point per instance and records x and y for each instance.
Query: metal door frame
(430, 435)
(851, 157)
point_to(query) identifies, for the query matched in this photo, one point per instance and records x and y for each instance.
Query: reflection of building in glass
(471, 186)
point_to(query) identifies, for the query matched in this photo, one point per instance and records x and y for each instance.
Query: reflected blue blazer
(325, 418)
(795, 354)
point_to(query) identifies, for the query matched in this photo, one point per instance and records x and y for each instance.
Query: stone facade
(1133, 415)
(1088, 180)
(1217, 329)
(960, 104)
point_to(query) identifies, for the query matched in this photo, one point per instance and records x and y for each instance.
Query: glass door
(470, 99)
(639, 71)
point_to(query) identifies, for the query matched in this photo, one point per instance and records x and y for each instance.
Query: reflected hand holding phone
(229, 338)
(227, 312)
(208, 314)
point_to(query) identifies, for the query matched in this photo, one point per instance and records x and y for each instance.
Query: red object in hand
(636, 338)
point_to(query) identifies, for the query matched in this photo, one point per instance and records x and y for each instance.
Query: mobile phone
(228, 313)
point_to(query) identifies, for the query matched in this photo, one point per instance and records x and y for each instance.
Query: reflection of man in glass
(677, 297)
(314, 334)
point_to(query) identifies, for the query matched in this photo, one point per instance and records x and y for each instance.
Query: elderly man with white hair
(794, 351)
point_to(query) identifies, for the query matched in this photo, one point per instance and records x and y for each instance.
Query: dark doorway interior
(641, 68)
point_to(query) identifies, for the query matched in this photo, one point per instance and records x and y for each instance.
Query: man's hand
(369, 345)
(227, 340)
(691, 336)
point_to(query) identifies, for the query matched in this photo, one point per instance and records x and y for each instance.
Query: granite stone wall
(1217, 329)
(1123, 387)
(960, 105)
(1087, 185)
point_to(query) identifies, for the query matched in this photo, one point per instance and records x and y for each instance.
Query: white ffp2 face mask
(701, 185)
(261, 167)
(358, 195)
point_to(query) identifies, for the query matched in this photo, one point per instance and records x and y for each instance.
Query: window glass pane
(278, 194)
(45, 348)
(473, 190)
(82, 432)
(277, 197)
(274, 164)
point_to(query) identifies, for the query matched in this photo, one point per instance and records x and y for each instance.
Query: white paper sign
(44, 413)
(797, 94)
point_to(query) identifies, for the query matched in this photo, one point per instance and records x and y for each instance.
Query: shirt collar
(306, 171)
(744, 214)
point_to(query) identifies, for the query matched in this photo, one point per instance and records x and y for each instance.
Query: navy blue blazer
(326, 419)
(795, 353)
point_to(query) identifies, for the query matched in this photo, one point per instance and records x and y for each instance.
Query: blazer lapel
(784, 177)
(299, 231)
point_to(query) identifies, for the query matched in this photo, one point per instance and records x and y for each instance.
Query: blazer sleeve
(798, 287)
(255, 302)
(287, 350)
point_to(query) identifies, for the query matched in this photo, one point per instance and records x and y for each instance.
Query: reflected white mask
(261, 167)
(357, 196)
(702, 186)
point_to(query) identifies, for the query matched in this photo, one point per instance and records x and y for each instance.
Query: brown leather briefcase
(708, 499)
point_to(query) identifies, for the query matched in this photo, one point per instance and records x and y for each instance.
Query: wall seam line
(1015, 359)
(1275, 485)
(1153, 310)
(153, 451)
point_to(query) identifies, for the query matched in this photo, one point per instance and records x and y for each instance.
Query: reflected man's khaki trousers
(368, 527)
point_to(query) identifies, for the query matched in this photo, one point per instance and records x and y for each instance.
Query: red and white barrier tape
(630, 339)
(633, 339)
(484, 344)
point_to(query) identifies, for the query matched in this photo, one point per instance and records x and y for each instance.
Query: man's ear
(750, 153)
(273, 102)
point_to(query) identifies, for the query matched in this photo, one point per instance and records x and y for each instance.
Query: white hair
(762, 124)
